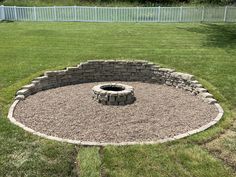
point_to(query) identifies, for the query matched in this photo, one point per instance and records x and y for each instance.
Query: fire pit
(113, 94)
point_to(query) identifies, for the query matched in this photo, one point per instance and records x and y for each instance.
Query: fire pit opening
(115, 88)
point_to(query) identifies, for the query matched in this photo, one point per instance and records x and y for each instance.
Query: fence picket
(203, 13)
(181, 14)
(2, 12)
(225, 13)
(15, 13)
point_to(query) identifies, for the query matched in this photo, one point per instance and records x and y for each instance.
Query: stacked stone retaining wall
(115, 70)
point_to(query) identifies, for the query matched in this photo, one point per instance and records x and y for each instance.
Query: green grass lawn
(206, 50)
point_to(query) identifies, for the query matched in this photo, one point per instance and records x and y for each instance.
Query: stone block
(139, 62)
(24, 92)
(168, 83)
(206, 95)
(41, 78)
(30, 86)
(112, 98)
(121, 103)
(194, 82)
(72, 69)
(20, 97)
(198, 85)
(210, 100)
(166, 70)
(129, 101)
(183, 76)
(120, 98)
(51, 73)
(200, 90)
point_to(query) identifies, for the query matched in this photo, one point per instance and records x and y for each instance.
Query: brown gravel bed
(70, 112)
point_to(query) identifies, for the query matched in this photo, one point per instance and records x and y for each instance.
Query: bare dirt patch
(224, 147)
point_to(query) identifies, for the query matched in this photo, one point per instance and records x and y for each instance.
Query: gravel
(70, 112)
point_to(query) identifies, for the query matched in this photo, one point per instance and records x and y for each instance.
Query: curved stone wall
(114, 70)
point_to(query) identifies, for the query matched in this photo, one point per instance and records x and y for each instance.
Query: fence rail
(119, 14)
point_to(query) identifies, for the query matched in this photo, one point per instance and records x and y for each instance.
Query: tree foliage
(161, 2)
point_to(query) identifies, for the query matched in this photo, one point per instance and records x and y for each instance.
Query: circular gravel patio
(70, 112)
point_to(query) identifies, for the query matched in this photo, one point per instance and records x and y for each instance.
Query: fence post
(116, 14)
(55, 13)
(159, 14)
(3, 12)
(137, 14)
(96, 13)
(35, 15)
(75, 13)
(225, 14)
(15, 13)
(181, 13)
(203, 13)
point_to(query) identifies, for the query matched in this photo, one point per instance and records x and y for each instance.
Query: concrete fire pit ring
(113, 94)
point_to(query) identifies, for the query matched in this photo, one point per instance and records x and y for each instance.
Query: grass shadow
(217, 35)
(6, 21)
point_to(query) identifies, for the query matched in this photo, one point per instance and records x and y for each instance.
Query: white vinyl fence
(119, 14)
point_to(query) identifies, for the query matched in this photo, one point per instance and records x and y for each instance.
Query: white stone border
(88, 143)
